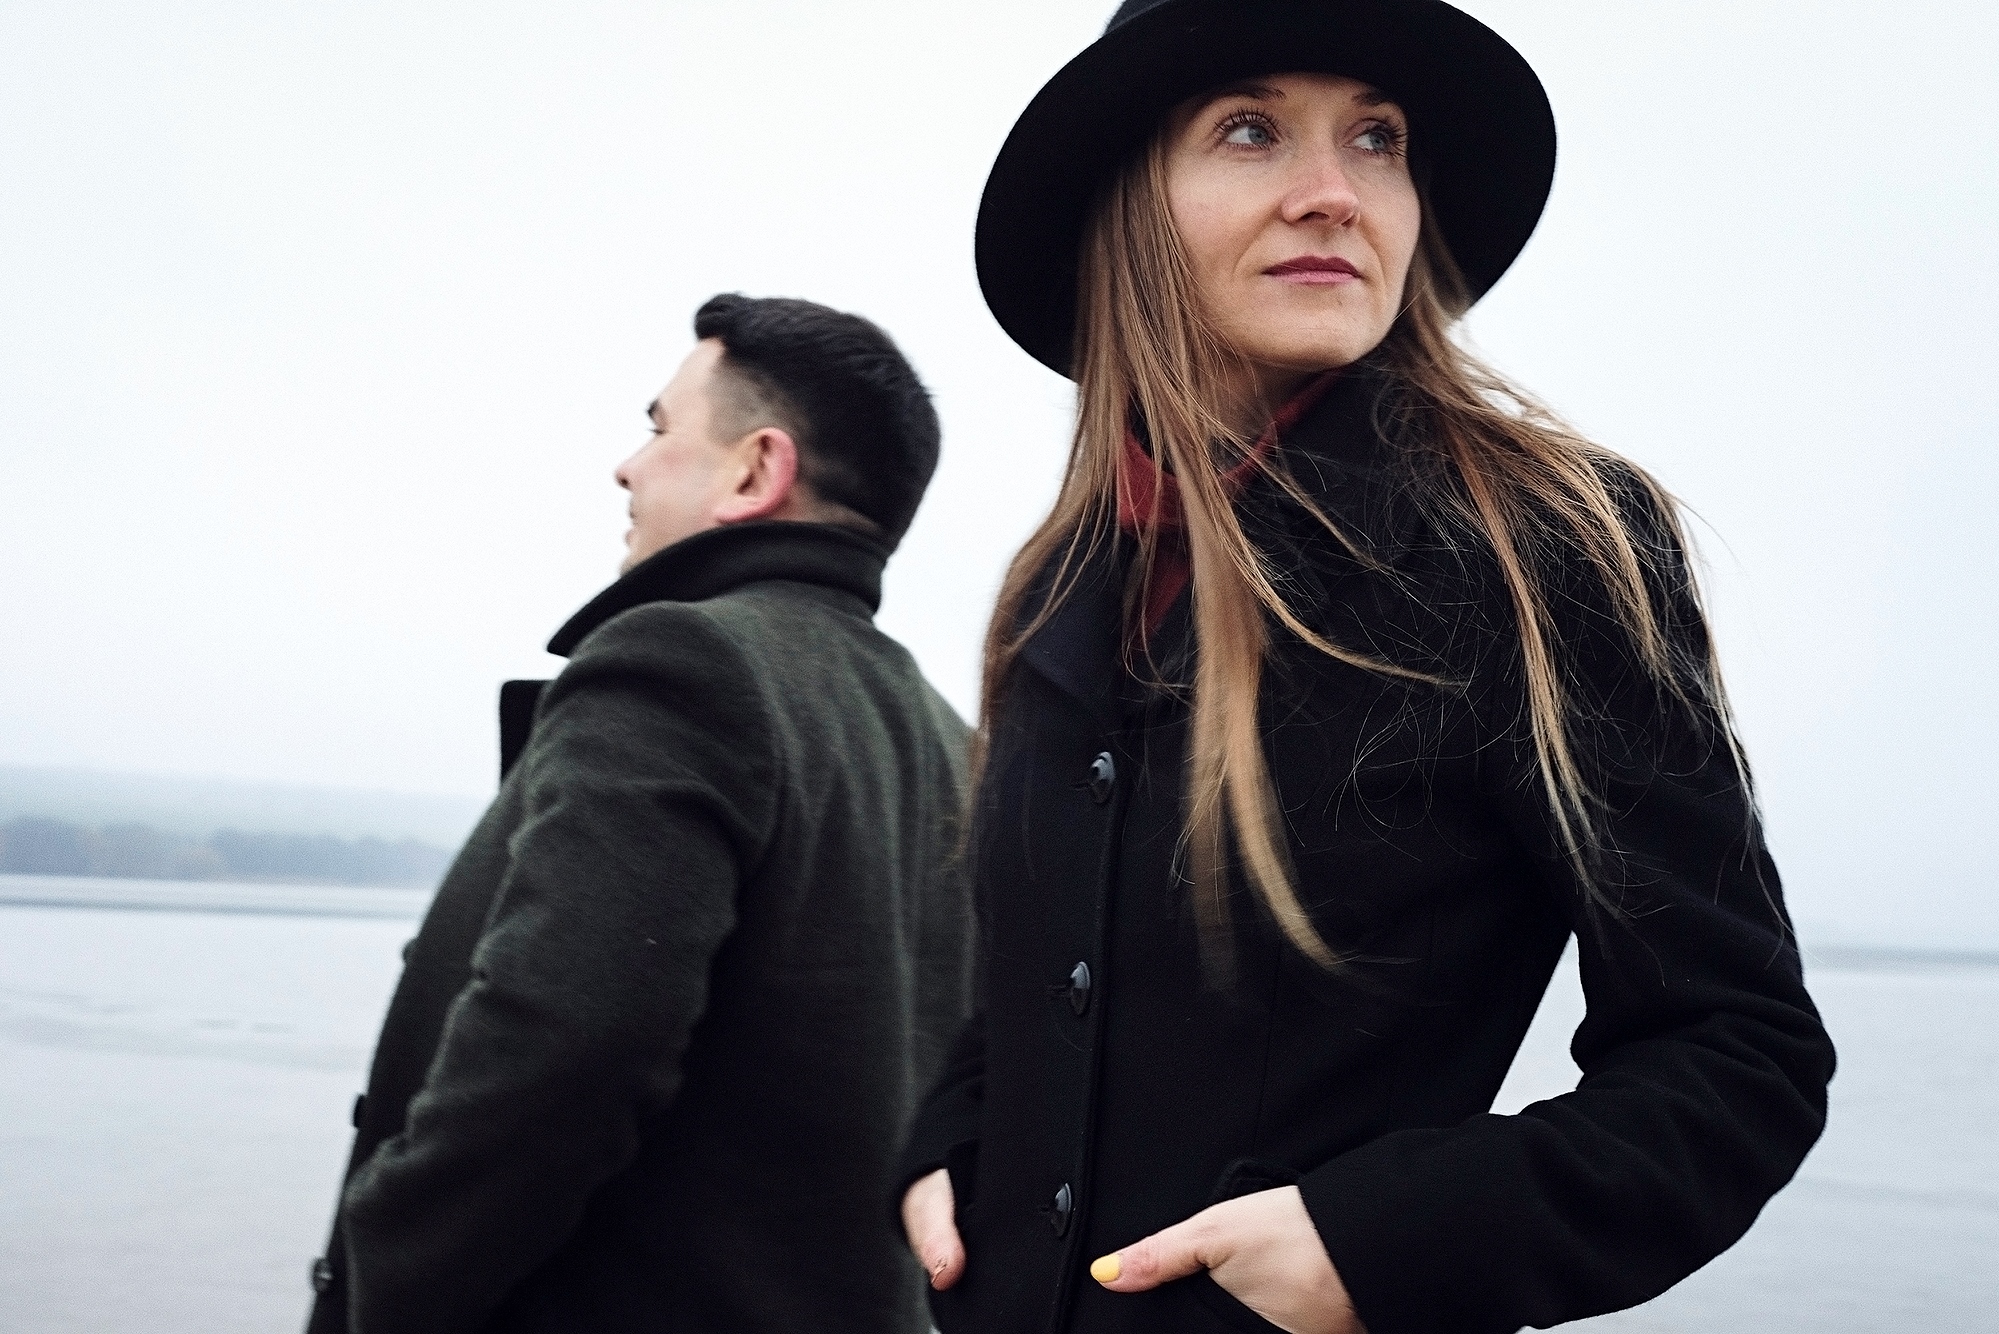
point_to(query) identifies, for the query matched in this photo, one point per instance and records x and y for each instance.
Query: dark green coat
(663, 1029)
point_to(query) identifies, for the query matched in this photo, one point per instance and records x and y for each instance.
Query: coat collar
(713, 562)
(1338, 434)
(1080, 647)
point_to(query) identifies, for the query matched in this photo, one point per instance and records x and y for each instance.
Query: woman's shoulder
(1598, 566)
(1376, 526)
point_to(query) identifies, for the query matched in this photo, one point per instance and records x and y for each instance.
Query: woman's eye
(1250, 134)
(1380, 139)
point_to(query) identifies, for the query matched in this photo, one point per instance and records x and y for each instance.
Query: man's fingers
(1160, 1258)
(929, 1218)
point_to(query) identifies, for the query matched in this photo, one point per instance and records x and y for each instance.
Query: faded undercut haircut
(866, 432)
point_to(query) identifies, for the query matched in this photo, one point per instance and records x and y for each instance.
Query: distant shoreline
(44, 846)
(195, 806)
(309, 900)
(211, 896)
(1893, 958)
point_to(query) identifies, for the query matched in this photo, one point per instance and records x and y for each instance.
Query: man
(658, 1039)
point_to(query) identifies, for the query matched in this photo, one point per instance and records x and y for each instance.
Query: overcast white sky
(322, 327)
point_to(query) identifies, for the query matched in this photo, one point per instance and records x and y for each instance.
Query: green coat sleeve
(650, 791)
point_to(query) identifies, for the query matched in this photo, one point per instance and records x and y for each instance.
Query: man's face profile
(682, 474)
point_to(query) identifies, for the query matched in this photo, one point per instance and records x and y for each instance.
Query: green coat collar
(713, 562)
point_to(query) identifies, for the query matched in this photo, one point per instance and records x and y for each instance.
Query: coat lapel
(1077, 649)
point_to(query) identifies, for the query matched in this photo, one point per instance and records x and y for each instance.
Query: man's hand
(1261, 1248)
(929, 1219)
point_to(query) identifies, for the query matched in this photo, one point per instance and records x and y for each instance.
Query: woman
(1342, 685)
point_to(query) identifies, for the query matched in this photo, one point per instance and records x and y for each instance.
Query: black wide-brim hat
(1480, 124)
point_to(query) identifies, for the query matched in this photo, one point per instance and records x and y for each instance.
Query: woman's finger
(929, 1219)
(1176, 1252)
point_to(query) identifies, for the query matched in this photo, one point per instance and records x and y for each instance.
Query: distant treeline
(135, 851)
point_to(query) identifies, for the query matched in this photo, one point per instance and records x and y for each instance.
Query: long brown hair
(1513, 479)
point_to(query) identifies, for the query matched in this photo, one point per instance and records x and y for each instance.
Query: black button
(322, 1275)
(1079, 988)
(361, 1107)
(1103, 777)
(1058, 1216)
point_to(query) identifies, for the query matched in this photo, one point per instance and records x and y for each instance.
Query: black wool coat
(661, 1034)
(1105, 1090)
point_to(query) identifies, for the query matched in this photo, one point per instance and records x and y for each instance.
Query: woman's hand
(1262, 1248)
(929, 1220)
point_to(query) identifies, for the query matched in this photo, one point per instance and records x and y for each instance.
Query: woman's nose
(1321, 191)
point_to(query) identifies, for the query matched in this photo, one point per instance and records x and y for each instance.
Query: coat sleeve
(1704, 1062)
(946, 1130)
(650, 786)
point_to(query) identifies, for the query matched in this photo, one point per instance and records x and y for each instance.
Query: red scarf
(1145, 496)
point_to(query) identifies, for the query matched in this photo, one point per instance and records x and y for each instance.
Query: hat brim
(1478, 115)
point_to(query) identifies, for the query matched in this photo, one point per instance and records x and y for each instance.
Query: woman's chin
(1310, 335)
(1313, 353)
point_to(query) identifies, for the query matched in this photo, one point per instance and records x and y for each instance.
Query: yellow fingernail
(1106, 1270)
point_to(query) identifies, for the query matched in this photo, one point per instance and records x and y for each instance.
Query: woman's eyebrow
(1368, 96)
(1261, 92)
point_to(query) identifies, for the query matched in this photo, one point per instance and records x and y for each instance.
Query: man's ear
(768, 487)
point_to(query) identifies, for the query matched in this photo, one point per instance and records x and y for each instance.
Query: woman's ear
(768, 484)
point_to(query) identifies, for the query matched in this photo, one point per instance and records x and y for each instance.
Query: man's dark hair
(867, 435)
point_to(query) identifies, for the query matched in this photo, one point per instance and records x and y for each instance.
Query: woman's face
(1293, 198)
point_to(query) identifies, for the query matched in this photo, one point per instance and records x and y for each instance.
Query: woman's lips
(1314, 271)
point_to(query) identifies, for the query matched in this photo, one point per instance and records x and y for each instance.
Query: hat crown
(1130, 10)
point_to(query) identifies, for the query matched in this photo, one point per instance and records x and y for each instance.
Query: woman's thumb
(1160, 1258)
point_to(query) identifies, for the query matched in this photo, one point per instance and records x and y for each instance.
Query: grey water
(176, 1071)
